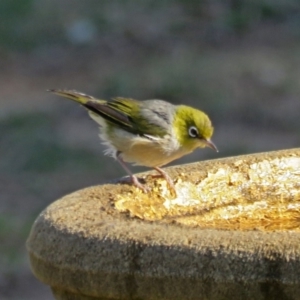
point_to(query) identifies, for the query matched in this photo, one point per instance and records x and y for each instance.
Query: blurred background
(237, 60)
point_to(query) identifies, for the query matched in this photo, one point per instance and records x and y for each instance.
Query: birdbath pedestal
(231, 232)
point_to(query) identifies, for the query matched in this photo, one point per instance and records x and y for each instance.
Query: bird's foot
(168, 179)
(139, 185)
(132, 179)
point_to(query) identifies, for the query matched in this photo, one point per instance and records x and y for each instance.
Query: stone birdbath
(231, 232)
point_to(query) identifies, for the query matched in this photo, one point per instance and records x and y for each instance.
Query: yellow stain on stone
(262, 195)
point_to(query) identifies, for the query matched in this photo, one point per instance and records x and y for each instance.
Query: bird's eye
(193, 132)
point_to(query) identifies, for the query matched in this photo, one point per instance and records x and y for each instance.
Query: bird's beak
(211, 145)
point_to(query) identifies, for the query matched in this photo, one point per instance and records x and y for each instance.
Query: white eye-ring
(193, 132)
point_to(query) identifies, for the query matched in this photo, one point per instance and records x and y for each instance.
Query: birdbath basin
(231, 232)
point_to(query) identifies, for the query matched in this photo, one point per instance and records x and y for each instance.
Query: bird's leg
(133, 178)
(167, 178)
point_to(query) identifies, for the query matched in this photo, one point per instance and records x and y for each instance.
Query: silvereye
(149, 133)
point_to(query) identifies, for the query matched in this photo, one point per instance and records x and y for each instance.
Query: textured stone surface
(86, 247)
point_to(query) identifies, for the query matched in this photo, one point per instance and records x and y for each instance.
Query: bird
(150, 133)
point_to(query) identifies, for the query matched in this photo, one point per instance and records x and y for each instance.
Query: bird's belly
(149, 156)
(146, 152)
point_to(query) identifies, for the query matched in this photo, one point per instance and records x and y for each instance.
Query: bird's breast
(149, 152)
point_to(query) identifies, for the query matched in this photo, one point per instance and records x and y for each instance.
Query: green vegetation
(34, 147)
(29, 24)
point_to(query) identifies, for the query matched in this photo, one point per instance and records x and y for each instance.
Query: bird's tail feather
(73, 95)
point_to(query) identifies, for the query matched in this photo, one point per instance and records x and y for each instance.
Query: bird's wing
(126, 113)
(141, 117)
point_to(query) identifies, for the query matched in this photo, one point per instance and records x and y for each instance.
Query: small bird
(149, 133)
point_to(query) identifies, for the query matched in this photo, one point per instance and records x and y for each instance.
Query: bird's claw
(139, 185)
(168, 179)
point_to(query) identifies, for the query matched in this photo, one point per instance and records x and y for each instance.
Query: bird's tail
(73, 95)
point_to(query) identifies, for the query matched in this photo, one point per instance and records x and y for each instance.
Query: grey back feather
(159, 113)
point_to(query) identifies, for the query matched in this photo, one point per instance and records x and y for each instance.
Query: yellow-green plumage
(186, 117)
(150, 133)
